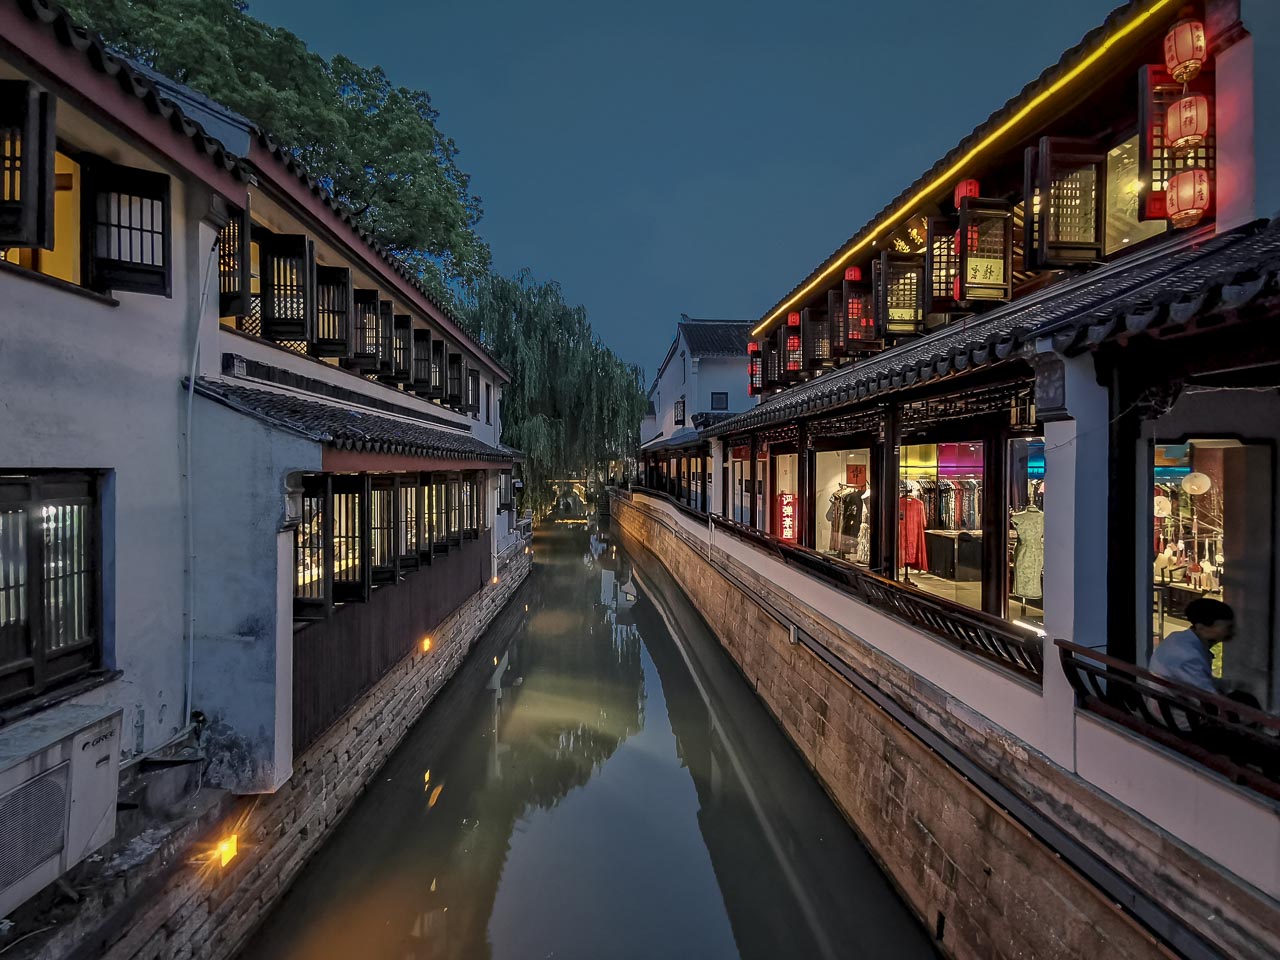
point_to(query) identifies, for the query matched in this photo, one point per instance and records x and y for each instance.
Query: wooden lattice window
(899, 282)
(986, 250)
(1064, 184)
(409, 519)
(773, 359)
(235, 258)
(862, 333)
(473, 391)
(365, 330)
(422, 360)
(402, 348)
(470, 523)
(677, 415)
(383, 556)
(335, 312)
(816, 331)
(755, 368)
(350, 535)
(126, 212)
(386, 338)
(453, 502)
(27, 147)
(439, 513)
(941, 263)
(287, 264)
(453, 388)
(312, 550)
(439, 360)
(50, 566)
(1157, 161)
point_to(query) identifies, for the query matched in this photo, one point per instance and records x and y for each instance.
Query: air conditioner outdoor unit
(59, 773)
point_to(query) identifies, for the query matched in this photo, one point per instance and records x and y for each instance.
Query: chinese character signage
(787, 516)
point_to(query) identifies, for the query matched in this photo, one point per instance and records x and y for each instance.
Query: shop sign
(855, 474)
(986, 270)
(787, 515)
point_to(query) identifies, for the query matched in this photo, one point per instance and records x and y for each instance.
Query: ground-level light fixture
(426, 644)
(227, 849)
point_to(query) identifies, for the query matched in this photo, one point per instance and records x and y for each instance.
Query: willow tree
(572, 405)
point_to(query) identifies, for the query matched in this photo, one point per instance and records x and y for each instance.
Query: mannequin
(862, 551)
(1028, 556)
(911, 540)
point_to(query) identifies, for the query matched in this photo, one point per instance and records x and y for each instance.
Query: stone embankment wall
(987, 887)
(202, 911)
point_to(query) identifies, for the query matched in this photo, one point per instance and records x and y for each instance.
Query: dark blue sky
(700, 156)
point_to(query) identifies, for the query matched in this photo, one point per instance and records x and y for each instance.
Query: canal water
(597, 782)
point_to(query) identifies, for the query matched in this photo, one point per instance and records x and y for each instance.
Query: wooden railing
(1238, 741)
(338, 659)
(977, 633)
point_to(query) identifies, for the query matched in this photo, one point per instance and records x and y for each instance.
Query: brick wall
(951, 852)
(205, 912)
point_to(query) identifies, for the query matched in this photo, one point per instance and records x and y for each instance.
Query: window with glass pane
(408, 516)
(842, 500)
(740, 483)
(453, 498)
(382, 529)
(309, 578)
(1124, 193)
(940, 538)
(785, 520)
(440, 518)
(348, 571)
(49, 567)
(1026, 463)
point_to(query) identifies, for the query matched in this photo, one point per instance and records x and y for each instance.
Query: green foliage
(572, 405)
(375, 145)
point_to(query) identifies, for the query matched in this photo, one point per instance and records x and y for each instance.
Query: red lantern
(753, 346)
(793, 319)
(853, 274)
(965, 188)
(1187, 122)
(1185, 49)
(1186, 197)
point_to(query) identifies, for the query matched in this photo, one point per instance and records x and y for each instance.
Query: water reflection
(589, 787)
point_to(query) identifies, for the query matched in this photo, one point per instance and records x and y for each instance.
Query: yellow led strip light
(955, 169)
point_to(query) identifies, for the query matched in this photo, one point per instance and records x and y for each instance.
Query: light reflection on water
(604, 791)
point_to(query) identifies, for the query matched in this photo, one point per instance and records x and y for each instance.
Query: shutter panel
(422, 347)
(127, 229)
(234, 262)
(349, 528)
(1069, 185)
(27, 143)
(287, 265)
(986, 249)
(453, 387)
(817, 339)
(940, 264)
(862, 331)
(402, 348)
(365, 329)
(1157, 162)
(438, 361)
(386, 339)
(313, 550)
(335, 312)
(899, 282)
(838, 323)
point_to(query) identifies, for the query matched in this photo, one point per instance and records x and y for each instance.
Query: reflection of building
(1035, 399)
(249, 462)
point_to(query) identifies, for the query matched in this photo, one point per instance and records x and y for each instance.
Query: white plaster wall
(244, 590)
(89, 386)
(722, 374)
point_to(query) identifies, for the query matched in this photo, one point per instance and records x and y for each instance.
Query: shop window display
(842, 492)
(1212, 536)
(740, 484)
(940, 542)
(785, 522)
(1026, 530)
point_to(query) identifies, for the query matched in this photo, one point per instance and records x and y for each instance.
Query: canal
(597, 781)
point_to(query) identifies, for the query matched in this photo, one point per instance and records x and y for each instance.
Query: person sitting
(1183, 656)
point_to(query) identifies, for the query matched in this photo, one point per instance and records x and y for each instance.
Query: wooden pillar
(995, 526)
(751, 482)
(886, 532)
(804, 487)
(1125, 427)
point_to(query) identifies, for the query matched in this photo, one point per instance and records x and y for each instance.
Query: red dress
(911, 549)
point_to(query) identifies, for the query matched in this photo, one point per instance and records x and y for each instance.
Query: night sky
(701, 156)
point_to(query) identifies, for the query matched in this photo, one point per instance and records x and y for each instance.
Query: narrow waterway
(598, 781)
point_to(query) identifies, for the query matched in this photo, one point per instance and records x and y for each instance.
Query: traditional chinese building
(1006, 434)
(252, 491)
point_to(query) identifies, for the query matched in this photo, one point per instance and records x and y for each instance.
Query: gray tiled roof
(350, 429)
(716, 338)
(1170, 285)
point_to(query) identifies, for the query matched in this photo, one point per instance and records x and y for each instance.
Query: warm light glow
(793, 319)
(426, 644)
(1186, 197)
(853, 274)
(227, 849)
(435, 795)
(495, 579)
(426, 781)
(981, 147)
(1185, 48)
(495, 661)
(1187, 122)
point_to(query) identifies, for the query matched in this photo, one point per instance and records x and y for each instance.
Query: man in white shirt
(1183, 656)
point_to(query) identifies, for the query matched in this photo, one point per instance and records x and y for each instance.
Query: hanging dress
(1028, 556)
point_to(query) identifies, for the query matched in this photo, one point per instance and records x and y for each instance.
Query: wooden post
(751, 483)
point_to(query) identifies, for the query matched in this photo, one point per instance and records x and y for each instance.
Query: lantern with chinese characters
(793, 318)
(1185, 49)
(1187, 122)
(1186, 197)
(965, 188)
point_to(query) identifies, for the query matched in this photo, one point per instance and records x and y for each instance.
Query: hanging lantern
(753, 346)
(1187, 122)
(1185, 49)
(1186, 197)
(1196, 483)
(965, 188)
(793, 319)
(853, 274)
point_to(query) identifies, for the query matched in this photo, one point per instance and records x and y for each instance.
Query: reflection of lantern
(793, 319)
(1162, 506)
(1184, 49)
(1196, 483)
(965, 188)
(1186, 197)
(1187, 122)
